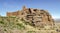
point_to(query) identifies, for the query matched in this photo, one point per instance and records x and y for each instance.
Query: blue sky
(53, 6)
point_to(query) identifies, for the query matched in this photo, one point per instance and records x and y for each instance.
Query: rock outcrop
(36, 17)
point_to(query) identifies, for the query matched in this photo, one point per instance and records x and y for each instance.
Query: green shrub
(1, 22)
(20, 26)
(5, 30)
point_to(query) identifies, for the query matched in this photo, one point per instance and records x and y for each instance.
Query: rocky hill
(57, 20)
(28, 20)
(37, 17)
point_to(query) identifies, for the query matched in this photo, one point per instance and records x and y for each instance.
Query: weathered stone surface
(35, 16)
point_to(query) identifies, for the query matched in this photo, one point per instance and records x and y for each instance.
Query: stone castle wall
(13, 13)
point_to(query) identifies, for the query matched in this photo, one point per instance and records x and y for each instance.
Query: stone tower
(24, 8)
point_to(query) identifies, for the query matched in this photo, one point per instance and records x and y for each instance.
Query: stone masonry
(35, 16)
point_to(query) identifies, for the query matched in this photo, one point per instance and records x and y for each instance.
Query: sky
(53, 6)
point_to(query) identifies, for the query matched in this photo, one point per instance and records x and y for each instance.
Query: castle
(35, 16)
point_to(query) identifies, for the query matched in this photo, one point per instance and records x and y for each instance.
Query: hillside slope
(15, 25)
